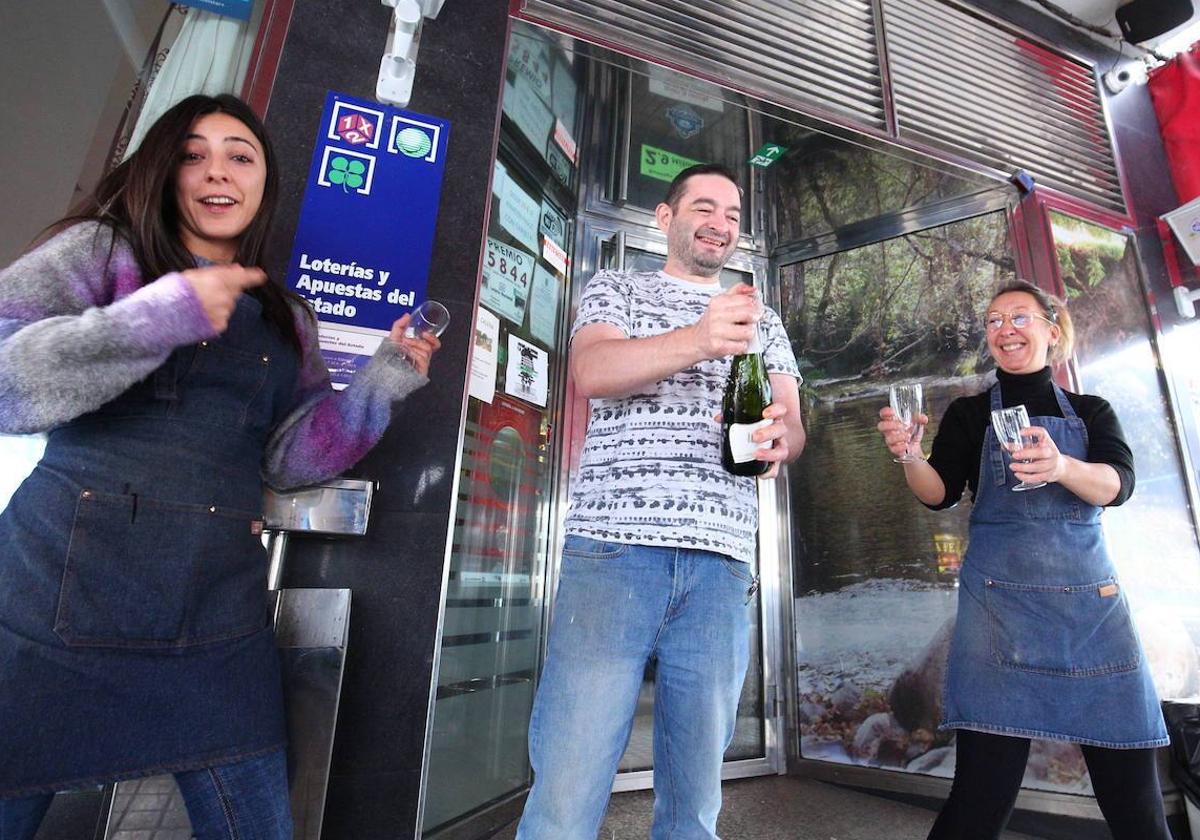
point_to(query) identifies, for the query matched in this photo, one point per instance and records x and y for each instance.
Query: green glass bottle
(747, 394)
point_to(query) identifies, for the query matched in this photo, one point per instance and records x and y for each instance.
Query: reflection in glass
(490, 635)
(676, 123)
(821, 183)
(1152, 537)
(825, 184)
(541, 94)
(493, 620)
(749, 739)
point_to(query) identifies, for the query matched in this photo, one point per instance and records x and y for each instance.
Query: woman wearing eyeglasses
(1043, 646)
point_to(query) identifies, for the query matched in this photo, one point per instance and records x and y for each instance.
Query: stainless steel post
(311, 630)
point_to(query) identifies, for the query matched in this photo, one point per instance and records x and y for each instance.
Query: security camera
(1119, 78)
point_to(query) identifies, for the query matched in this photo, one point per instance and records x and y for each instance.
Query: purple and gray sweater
(78, 328)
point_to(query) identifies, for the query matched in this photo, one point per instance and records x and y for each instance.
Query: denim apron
(1043, 645)
(135, 635)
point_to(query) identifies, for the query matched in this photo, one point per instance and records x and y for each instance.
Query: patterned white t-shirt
(650, 472)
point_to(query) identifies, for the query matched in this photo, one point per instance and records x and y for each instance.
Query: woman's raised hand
(898, 436)
(1040, 461)
(419, 350)
(218, 288)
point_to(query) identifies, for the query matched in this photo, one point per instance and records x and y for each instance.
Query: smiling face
(1023, 350)
(702, 230)
(218, 185)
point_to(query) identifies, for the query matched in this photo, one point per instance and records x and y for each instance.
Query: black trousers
(987, 779)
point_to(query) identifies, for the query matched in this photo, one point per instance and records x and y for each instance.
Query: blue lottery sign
(239, 9)
(365, 235)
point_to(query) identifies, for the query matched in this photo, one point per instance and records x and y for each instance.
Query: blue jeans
(246, 800)
(617, 607)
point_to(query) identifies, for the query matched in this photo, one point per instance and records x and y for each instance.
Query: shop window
(829, 184)
(675, 123)
(875, 572)
(492, 631)
(1152, 536)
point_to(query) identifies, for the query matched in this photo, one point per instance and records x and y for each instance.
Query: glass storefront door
(874, 571)
(1152, 536)
(504, 524)
(756, 747)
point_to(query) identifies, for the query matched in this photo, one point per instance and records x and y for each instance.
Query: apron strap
(164, 379)
(1064, 405)
(1073, 420)
(992, 452)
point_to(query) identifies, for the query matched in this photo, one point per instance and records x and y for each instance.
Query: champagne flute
(905, 400)
(429, 317)
(1008, 423)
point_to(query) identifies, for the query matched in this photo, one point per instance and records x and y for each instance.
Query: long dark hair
(137, 200)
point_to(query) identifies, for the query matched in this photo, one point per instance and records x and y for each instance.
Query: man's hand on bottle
(728, 324)
(773, 438)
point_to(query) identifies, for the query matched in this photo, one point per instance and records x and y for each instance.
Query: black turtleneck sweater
(959, 441)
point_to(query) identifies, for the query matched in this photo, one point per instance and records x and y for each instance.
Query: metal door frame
(998, 199)
(1025, 252)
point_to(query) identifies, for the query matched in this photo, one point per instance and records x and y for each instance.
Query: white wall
(66, 69)
(65, 73)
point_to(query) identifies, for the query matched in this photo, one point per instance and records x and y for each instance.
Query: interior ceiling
(1096, 12)
(1103, 13)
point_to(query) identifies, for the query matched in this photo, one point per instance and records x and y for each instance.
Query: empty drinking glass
(905, 400)
(429, 317)
(1008, 423)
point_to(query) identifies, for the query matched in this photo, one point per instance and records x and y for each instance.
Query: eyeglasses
(1020, 320)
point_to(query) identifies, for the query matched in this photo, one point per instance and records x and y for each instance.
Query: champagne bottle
(747, 394)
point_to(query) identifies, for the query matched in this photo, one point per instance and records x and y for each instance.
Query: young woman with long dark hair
(172, 378)
(1043, 646)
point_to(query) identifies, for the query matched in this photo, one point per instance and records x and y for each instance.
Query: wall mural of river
(874, 572)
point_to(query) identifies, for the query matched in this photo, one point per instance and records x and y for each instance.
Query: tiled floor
(149, 809)
(782, 808)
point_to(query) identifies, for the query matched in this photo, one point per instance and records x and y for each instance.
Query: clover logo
(348, 173)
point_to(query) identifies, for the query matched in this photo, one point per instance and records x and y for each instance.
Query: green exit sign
(768, 154)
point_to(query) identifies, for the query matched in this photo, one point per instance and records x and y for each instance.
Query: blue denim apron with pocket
(1043, 645)
(135, 635)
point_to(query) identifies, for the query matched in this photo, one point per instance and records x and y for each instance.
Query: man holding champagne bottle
(660, 535)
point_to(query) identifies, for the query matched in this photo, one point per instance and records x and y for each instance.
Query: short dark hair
(679, 185)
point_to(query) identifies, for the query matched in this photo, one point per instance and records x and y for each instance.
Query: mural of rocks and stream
(876, 572)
